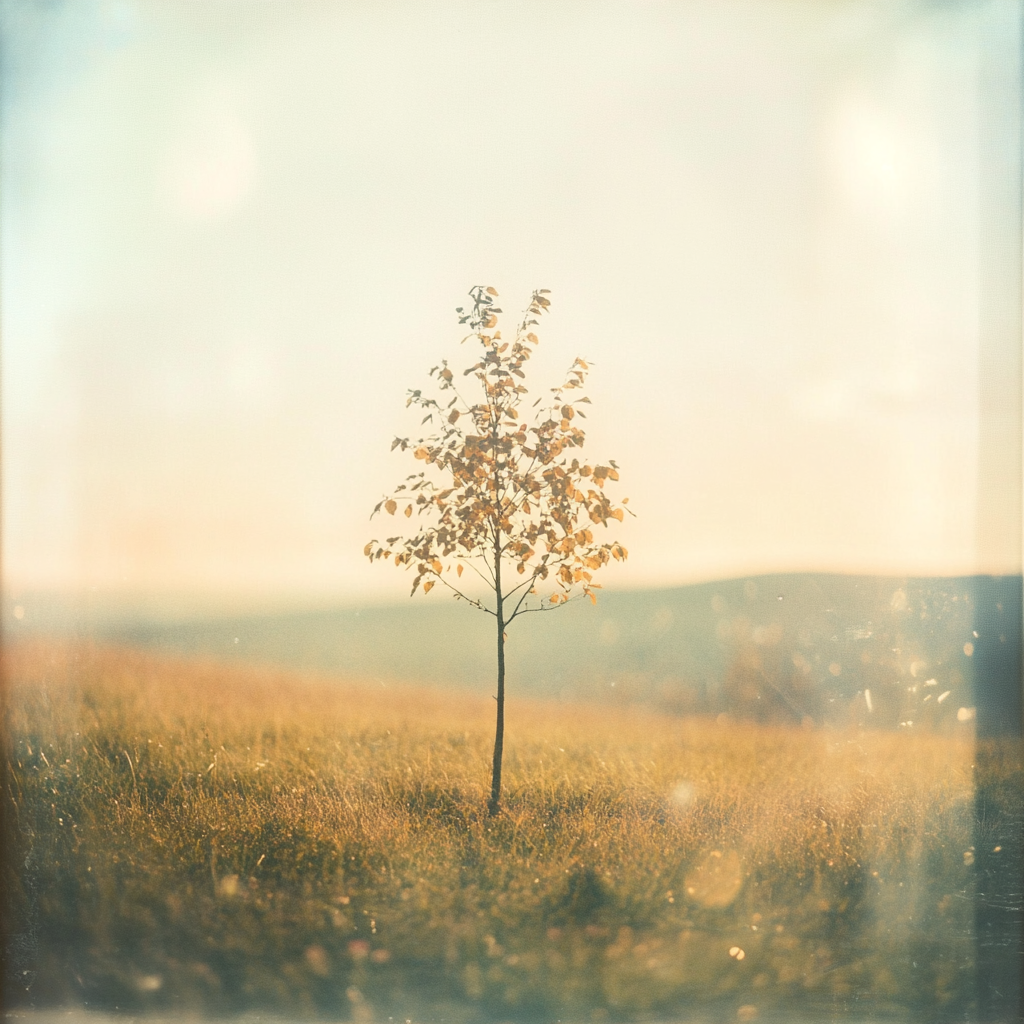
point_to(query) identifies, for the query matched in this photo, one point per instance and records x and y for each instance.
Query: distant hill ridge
(792, 647)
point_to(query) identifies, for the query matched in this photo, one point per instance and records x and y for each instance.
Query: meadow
(184, 836)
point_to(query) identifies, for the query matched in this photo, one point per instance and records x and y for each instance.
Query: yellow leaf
(408, 511)
(592, 596)
(421, 453)
(617, 514)
(458, 569)
(367, 549)
(391, 505)
(435, 565)
(427, 586)
(554, 599)
(491, 291)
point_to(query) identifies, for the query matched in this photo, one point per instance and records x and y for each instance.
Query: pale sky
(786, 236)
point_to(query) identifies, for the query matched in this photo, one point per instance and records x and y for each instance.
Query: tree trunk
(499, 731)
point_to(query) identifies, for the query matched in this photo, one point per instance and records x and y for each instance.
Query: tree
(506, 499)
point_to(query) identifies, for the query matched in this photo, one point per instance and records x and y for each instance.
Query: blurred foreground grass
(188, 837)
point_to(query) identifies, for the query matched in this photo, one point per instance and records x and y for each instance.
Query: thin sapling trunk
(502, 489)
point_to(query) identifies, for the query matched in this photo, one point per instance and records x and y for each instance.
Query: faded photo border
(224, 257)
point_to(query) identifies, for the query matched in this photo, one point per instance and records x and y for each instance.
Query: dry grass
(193, 837)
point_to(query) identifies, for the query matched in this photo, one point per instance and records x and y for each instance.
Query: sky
(785, 236)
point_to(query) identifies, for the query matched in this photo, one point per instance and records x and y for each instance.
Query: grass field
(195, 838)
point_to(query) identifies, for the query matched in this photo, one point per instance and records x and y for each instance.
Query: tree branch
(472, 566)
(525, 583)
(471, 600)
(539, 608)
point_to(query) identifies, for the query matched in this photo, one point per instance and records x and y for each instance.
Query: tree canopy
(497, 488)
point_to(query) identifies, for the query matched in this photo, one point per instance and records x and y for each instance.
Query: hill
(827, 648)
